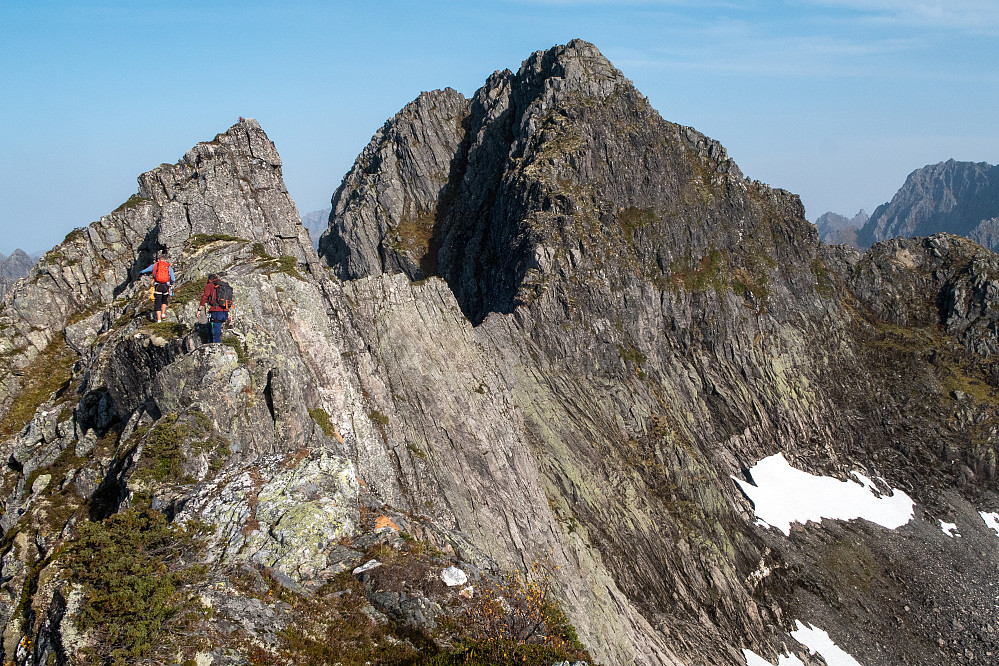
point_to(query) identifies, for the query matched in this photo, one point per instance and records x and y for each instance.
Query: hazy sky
(835, 100)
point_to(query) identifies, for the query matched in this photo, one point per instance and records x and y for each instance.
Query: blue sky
(834, 100)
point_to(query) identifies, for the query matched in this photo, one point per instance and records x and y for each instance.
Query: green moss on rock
(50, 373)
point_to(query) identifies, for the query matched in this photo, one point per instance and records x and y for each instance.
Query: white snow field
(784, 495)
(817, 642)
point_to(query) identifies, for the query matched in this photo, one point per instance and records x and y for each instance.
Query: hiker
(162, 273)
(218, 296)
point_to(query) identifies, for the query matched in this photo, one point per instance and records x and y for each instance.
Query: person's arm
(148, 270)
(204, 297)
(171, 276)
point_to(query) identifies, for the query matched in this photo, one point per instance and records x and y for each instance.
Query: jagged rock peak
(577, 67)
(228, 188)
(230, 185)
(579, 62)
(384, 208)
(532, 165)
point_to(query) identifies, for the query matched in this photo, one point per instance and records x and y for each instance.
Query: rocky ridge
(553, 325)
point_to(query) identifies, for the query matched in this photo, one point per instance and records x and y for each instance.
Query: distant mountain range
(837, 229)
(961, 198)
(316, 223)
(13, 268)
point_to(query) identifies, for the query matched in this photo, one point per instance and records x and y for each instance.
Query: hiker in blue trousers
(218, 296)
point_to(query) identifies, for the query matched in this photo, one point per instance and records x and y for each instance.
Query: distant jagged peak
(836, 229)
(13, 268)
(950, 196)
(17, 265)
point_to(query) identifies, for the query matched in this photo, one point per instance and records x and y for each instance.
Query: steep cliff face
(547, 327)
(383, 212)
(954, 197)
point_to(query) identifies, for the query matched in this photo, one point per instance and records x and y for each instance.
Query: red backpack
(161, 271)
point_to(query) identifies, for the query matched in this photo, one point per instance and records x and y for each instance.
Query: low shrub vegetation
(136, 570)
(515, 621)
(188, 291)
(507, 622)
(168, 329)
(198, 241)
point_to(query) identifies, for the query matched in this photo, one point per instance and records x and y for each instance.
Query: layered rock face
(545, 324)
(955, 197)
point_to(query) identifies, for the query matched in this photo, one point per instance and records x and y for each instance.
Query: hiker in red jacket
(162, 284)
(218, 296)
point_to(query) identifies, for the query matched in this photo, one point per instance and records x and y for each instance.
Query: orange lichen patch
(361, 483)
(385, 521)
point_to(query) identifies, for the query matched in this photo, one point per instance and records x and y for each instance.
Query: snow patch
(950, 529)
(817, 642)
(753, 659)
(991, 519)
(783, 495)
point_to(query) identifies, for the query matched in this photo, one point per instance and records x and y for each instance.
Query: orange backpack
(161, 271)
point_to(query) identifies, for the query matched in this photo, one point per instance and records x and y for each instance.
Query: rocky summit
(519, 408)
